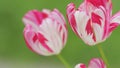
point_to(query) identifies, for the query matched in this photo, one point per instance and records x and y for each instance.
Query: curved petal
(33, 42)
(54, 33)
(96, 63)
(106, 7)
(115, 21)
(98, 3)
(70, 14)
(84, 27)
(80, 65)
(98, 23)
(55, 15)
(58, 17)
(78, 20)
(34, 17)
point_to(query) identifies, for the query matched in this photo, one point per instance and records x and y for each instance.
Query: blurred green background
(15, 54)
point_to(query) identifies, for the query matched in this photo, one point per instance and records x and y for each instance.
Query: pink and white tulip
(45, 31)
(93, 21)
(94, 63)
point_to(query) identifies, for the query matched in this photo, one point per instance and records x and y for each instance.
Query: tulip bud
(94, 63)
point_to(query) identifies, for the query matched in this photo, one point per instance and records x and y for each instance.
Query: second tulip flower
(93, 21)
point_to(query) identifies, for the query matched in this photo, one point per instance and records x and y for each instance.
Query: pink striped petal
(56, 15)
(71, 17)
(96, 19)
(89, 30)
(80, 65)
(33, 44)
(115, 22)
(35, 17)
(98, 3)
(112, 27)
(29, 35)
(96, 63)
(98, 23)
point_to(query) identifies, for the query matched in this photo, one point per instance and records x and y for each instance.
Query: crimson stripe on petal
(42, 40)
(106, 27)
(63, 38)
(94, 38)
(96, 2)
(97, 62)
(71, 17)
(27, 36)
(102, 63)
(96, 19)
(35, 38)
(89, 29)
(113, 26)
(82, 66)
(39, 16)
(73, 23)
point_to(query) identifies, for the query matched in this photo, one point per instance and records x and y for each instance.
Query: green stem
(103, 56)
(63, 61)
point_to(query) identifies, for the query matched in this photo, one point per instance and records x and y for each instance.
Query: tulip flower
(94, 63)
(45, 31)
(93, 21)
